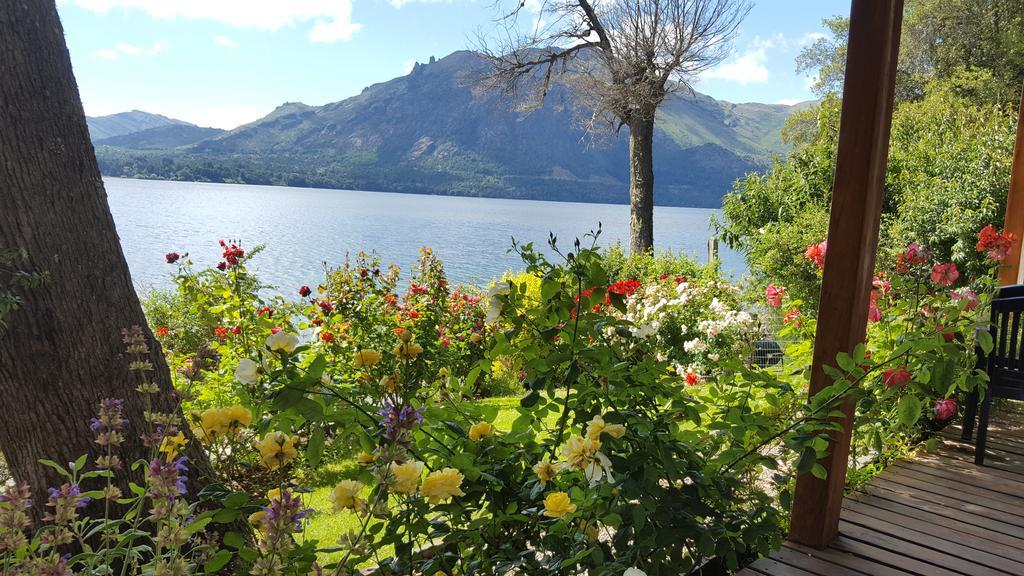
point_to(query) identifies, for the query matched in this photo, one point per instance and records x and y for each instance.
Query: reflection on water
(304, 229)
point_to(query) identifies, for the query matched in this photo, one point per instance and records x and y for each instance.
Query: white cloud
(124, 49)
(811, 38)
(158, 47)
(128, 49)
(747, 68)
(408, 65)
(332, 19)
(789, 101)
(224, 41)
(400, 3)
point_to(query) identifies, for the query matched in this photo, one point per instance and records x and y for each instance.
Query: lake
(304, 228)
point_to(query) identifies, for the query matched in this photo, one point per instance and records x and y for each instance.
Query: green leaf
(234, 540)
(908, 411)
(315, 447)
(985, 341)
(819, 471)
(219, 560)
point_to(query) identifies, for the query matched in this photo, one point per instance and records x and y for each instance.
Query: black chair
(1005, 365)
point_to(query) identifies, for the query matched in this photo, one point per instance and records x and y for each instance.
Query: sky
(223, 63)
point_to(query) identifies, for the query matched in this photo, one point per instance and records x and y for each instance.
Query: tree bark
(641, 183)
(62, 351)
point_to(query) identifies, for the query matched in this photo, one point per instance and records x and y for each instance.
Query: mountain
(431, 132)
(166, 136)
(102, 127)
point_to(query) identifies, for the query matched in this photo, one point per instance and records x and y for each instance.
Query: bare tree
(622, 57)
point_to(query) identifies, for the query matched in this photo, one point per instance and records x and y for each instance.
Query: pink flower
(881, 284)
(275, 330)
(945, 274)
(972, 298)
(893, 377)
(774, 295)
(944, 409)
(816, 253)
(874, 314)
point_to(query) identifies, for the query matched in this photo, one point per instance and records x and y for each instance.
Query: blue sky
(226, 62)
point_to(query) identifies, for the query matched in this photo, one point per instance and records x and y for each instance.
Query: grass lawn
(327, 525)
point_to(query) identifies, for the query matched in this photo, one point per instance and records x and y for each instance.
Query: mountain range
(433, 131)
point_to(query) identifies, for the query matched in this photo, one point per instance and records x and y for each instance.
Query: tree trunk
(641, 183)
(62, 351)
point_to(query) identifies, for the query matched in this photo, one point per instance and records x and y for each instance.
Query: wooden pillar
(1014, 219)
(852, 242)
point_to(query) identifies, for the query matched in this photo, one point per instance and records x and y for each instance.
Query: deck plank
(934, 514)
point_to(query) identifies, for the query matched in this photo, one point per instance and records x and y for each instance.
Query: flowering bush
(919, 359)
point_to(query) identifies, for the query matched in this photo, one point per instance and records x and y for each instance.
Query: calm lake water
(305, 228)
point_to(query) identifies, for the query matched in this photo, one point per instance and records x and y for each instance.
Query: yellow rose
(545, 470)
(597, 426)
(274, 494)
(407, 350)
(213, 424)
(480, 430)
(579, 451)
(407, 476)
(366, 458)
(442, 485)
(238, 416)
(558, 504)
(346, 495)
(276, 449)
(475, 337)
(389, 383)
(366, 358)
(256, 517)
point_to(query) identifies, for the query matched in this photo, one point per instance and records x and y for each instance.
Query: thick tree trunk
(62, 351)
(641, 183)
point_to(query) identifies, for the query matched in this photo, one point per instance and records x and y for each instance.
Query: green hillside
(432, 132)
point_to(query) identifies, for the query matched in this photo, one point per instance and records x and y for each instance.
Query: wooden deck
(934, 515)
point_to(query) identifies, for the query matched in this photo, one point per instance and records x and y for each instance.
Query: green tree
(941, 39)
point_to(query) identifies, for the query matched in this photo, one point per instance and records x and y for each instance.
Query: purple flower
(398, 422)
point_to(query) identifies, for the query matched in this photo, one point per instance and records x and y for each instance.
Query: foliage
(14, 280)
(949, 163)
(940, 39)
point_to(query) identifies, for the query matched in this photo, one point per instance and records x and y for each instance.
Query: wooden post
(852, 242)
(1014, 219)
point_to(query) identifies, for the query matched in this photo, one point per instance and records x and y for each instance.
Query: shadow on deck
(936, 514)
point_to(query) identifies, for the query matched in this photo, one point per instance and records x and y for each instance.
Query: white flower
(714, 357)
(282, 342)
(499, 288)
(494, 304)
(247, 371)
(634, 572)
(598, 468)
(696, 344)
(645, 331)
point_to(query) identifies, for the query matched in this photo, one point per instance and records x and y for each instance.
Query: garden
(594, 413)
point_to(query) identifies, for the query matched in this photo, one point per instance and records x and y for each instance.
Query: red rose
(327, 337)
(161, 331)
(172, 257)
(305, 291)
(222, 265)
(944, 409)
(893, 377)
(774, 295)
(816, 253)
